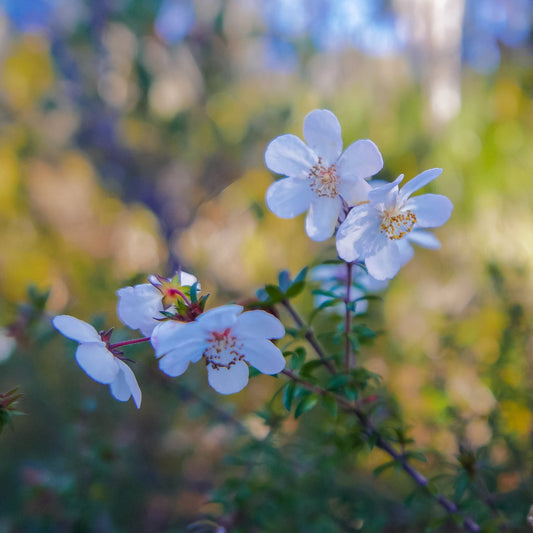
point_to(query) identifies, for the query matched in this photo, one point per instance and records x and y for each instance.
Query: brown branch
(309, 335)
(448, 505)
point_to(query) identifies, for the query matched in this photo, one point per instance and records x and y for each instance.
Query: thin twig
(309, 335)
(449, 506)
(127, 343)
(347, 328)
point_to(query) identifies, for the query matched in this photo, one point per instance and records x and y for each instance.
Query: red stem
(127, 343)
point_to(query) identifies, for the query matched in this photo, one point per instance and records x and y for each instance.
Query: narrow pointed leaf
(306, 405)
(288, 395)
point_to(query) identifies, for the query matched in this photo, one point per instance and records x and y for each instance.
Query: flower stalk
(371, 431)
(127, 343)
(347, 320)
(309, 335)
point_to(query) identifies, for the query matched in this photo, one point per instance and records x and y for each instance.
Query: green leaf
(274, 293)
(310, 367)
(306, 404)
(337, 382)
(416, 456)
(301, 275)
(37, 297)
(330, 404)
(329, 294)
(328, 303)
(294, 332)
(284, 280)
(364, 332)
(354, 341)
(288, 395)
(194, 292)
(262, 295)
(295, 289)
(298, 358)
(362, 376)
(351, 394)
(460, 486)
(301, 392)
(203, 301)
(351, 306)
(253, 372)
(385, 466)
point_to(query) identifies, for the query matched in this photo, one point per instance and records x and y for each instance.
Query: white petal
(361, 307)
(386, 263)
(327, 272)
(354, 191)
(258, 324)
(425, 239)
(125, 385)
(138, 307)
(176, 360)
(420, 181)
(322, 218)
(407, 251)
(75, 329)
(171, 334)
(359, 235)
(361, 159)
(289, 197)
(97, 361)
(322, 132)
(174, 363)
(187, 280)
(431, 210)
(264, 356)
(290, 156)
(228, 380)
(386, 194)
(219, 318)
(369, 283)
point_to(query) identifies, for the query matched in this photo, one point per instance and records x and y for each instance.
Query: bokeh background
(131, 142)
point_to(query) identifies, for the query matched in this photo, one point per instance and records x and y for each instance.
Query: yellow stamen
(396, 225)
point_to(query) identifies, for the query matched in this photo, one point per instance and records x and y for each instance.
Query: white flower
(139, 306)
(7, 345)
(333, 279)
(319, 175)
(372, 231)
(97, 361)
(227, 339)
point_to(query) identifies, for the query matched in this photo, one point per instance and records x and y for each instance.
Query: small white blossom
(372, 231)
(140, 306)
(227, 339)
(97, 360)
(319, 176)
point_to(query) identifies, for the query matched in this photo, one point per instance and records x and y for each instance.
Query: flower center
(324, 180)
(223, 350)
(397, 224)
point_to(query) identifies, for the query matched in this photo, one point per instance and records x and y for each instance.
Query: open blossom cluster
(172, 317)
(374, 225)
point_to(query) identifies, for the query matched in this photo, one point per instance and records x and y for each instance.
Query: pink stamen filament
(173, 292)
